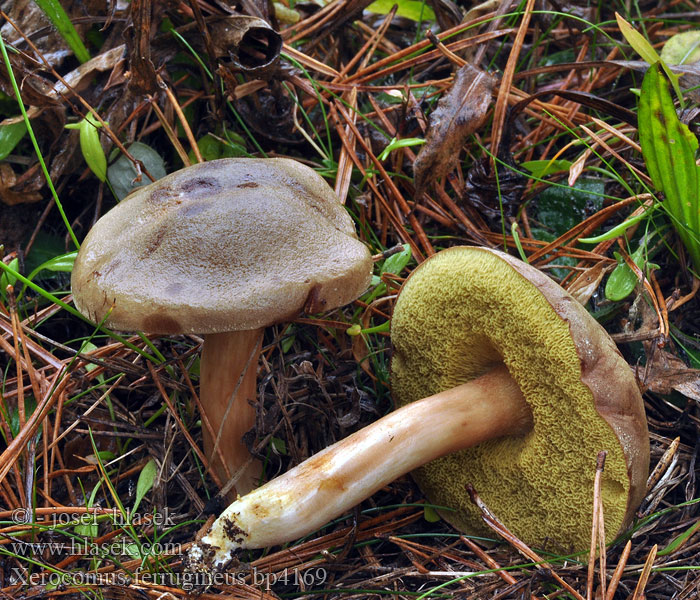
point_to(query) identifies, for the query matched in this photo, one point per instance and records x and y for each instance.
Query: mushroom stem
(227, 389)
(342, 475)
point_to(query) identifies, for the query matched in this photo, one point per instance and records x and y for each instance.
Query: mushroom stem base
(228, 373)
(342, 475)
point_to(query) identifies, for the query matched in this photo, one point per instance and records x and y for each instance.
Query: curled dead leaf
(460, 112)
(250, 43)
(583, 287)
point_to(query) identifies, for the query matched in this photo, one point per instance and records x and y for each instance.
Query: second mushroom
(508, 381)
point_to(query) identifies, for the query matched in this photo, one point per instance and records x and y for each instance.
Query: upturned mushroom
(505, 379)
(223, 249)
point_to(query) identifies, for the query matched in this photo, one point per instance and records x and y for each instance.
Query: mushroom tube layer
(467, 309)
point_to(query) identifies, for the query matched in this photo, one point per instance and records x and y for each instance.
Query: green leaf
(101, 456)
(90, 145)
(133, 550)
(543, 168)
(415, 10)
(395, 144)
(516, 239)
(639, 43)
(669, 150)
(278, 445)
(29, 408)
(124, 178)
(559, 207)
(430, 514)
(355, 329)
(681, 539)
(212, 147)
(285, 14)
(145, 482)
(642, 47)
(10, 136)
(57, 15)
(623, 280)
(86, 348)
(397, 262)
(57, 264)
(91, 148)
(88, 522)
(618, 230)
(288, 338)
(682, 48)
(6, 277)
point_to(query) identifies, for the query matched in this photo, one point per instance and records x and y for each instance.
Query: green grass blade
(35, 143)
(60, 20)
(669, 149)
(680, 540)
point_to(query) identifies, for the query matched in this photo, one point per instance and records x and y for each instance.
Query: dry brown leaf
(34, 87)
(460, 112)
(587, 282)
(482, 9)
(9, 193)
(80, 78)
(31, 20)
(665, 373)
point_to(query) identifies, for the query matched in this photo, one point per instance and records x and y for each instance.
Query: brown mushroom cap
(464, 311)
(229, 244)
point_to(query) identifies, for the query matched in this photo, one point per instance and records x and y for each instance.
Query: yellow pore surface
(460, 313)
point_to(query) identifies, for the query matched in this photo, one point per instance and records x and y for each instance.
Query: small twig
(617, 575)
(183, 120)
(644, 577)
(388, 252)
(444, 50)
(491, 563)
(663, 464)
(499, 113)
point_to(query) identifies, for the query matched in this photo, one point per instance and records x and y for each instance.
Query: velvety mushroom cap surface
(229, 244)
(467, 309)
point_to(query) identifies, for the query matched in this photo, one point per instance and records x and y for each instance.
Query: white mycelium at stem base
(342, 475)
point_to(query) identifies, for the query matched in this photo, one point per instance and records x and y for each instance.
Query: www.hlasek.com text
(75, 546)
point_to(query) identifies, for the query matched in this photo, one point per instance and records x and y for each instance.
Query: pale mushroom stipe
(222, 249)
(507, 380)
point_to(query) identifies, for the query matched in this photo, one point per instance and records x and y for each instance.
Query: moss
(461, 312)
